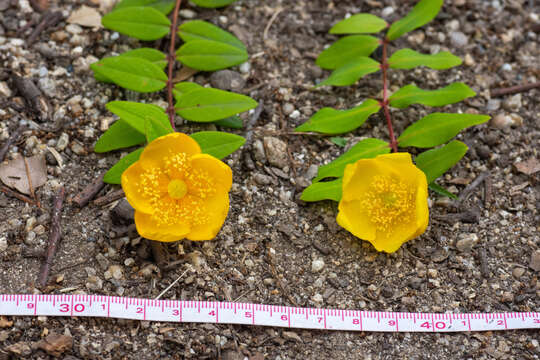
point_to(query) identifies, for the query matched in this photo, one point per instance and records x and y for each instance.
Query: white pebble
(317, 265)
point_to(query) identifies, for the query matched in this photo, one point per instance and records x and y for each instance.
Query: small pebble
(317, 265)
(63, 142)
(493, 104)
(288, 108)
(187, 13)
(518, 272)
(512, 103)
(387, 11)
(506, 67)
(295, 114)
(458, 39)
(466, 241)
(245, 68)
(535, 261)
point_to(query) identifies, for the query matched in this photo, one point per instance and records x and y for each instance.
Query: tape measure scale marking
(260, 314)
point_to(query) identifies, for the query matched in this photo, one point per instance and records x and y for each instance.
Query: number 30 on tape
(262, 315)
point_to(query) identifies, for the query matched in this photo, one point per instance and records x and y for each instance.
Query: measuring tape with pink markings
(262, 315)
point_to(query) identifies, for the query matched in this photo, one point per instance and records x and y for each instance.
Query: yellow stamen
(389, 201)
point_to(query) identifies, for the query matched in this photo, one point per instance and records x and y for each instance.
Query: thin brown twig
(514, 89)
(170, 65)
(88, 193)
(54, 237)
(47, 20)
(384, 102)
(32, 192)
(5, 148)
(16, 195)
(109, 198)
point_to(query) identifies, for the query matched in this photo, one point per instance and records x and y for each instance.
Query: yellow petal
(422, 209)
(220, 172)
(357, 177)
(353, 218)
(157, 151)
(148, 228)
(391, 240)
(131, 183)
(216, 209)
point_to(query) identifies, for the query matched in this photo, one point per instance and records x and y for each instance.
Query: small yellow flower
(176, 191)
(384, 201)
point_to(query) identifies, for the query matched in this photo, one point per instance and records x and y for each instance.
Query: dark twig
(16, 195)
(482, 258)
(88, 193)
(54, 237)
(171, 60)
(37, 103)
(384, 103)
(5, 148)
(469, 189)
(514, 89)
(48, 19)
(159, 253)
(109, 198)
(488, 192)
(251, 123)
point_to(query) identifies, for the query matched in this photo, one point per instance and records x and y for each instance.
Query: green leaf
(411, 94)
(163, 6)
(359, 24)
(154, 129)
(144, 23)
(441, 191)
(346, 50)
(420, 15)
(437, 128)
(184, 87)
(435, 162)
(136, 114)
(152, 55)
(365, 149)
(210, 55)
(212, 3)
(233, 122)
(120, 135)
(331, 121)
(218, 144)
(131, 73)
(408, 59)
(339, 141)
(349, 73)
(328, 190)
(206, 104)
(202, 30)
(114, 175)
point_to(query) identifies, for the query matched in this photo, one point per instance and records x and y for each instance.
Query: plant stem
(384, 102)
(171, 59)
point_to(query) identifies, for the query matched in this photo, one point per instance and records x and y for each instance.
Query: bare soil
(476, 256)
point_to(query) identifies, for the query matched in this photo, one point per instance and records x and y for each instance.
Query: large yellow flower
(176, 191)
(384, 201)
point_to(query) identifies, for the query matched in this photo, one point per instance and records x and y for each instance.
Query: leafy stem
(170, 64)
(384, 102)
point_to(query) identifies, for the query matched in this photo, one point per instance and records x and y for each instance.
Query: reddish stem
(384, 102)
(171, 59)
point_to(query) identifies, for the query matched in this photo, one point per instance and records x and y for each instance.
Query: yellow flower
(384, 201)
(176, 191)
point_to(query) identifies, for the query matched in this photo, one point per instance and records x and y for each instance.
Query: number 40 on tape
(262, 315)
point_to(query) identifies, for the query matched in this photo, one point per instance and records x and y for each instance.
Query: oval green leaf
(132, 73)
(212, 3)
(152, 55)
(136, 114)
(364, 149)
(421, 14)
(411, 94)
(210, 55)
(346, 50)
(332, 122)
(184, 87)
(144, 23)
(202, 30)
(206, 105)
(163, 6)
(437, 128)
(328, 190)
(359, 24)
(114, 175)
(349, 73)
(232, 122)
(408, 59)
(435, 162)
(120, 135)
(218, 144)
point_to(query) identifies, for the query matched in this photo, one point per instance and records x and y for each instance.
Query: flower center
(389, 201)
(177, 189)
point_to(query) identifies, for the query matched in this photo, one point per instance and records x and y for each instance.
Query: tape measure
(262, 315)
